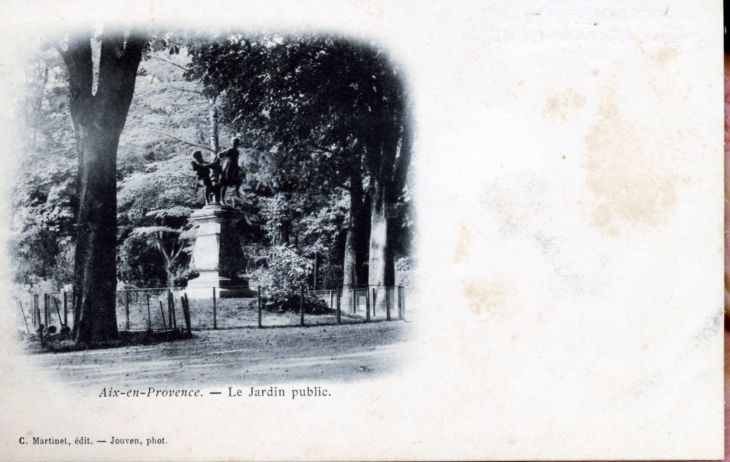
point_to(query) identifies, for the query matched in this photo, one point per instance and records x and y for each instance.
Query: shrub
(281, 302)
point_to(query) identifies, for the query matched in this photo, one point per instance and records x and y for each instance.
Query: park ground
(247, 356)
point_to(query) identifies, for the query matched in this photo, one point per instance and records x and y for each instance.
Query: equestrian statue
(217, 176)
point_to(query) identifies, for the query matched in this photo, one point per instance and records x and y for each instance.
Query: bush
(404, 271)
(281, 302)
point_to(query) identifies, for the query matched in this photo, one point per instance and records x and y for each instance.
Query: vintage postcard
(361, 230)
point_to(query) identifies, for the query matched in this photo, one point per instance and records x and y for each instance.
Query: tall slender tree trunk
(381, 267)
(98, 122)
(356, 241)
(213, 116)
(385, 187)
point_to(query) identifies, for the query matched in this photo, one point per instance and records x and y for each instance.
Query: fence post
(33, 309)
(186, 312)
(23, 313)
(126, 306)
(367, 304)
(387, 304)
(149, 314)
(301, 305)
(339, 312)
(354, 301)
(162, 313)
(375, 297)
(58, 311)
(403, 303)
(169, 310)
(187, 307)
(215, 321)
(172, 310)
(65, 310)
(258, 289)
(45, 308)
(332, 303)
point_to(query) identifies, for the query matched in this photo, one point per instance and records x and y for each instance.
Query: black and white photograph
(182, 194)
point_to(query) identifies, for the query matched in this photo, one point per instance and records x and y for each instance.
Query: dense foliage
(325, 146)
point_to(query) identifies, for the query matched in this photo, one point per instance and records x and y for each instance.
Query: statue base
(217, 255)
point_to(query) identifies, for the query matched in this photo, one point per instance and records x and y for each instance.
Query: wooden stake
(258, 289)
(367, 305)
(339, 311)
(375, 297)
(36, 310)
(215, 321)
(73, 306)
(23, 313)
(172, 311)
(186, 312)
(162, 312)
(126, 306)
(58, 311)
(387, 305)
(403, 303)
(149, 314)
(301, 305)
(65, 310)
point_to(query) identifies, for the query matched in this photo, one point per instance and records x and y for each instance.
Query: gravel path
(247, 356)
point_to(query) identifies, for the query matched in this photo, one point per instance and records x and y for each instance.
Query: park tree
(98, 105)
(154, 206)
(44, 195)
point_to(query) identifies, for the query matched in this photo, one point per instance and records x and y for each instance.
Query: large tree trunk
(98, 122)
(381, 267)
(387, 180)
(356, 242)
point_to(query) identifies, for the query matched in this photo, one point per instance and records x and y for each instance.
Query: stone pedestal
(217, 254)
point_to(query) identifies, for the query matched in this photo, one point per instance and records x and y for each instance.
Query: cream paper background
(569, 192)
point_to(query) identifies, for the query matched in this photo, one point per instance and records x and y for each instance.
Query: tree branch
(169, 62)
(189, 91)
(175, 253)
(163, 250)
(182, 141)
(60, 51)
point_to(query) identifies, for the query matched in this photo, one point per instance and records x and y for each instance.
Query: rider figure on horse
(232, 174)
(229, 159)
(220, 174)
